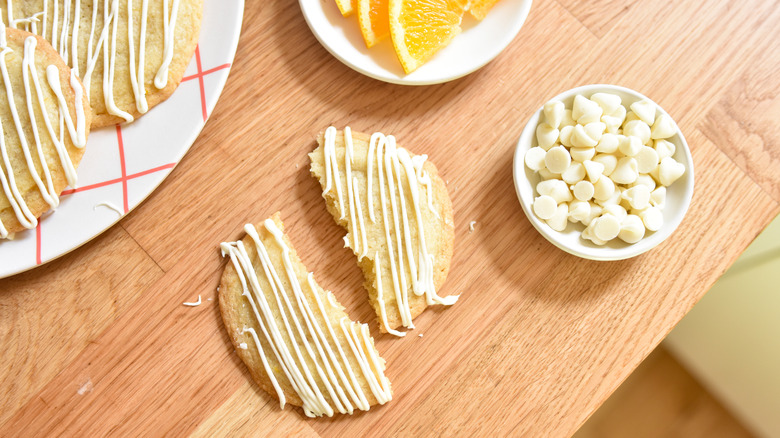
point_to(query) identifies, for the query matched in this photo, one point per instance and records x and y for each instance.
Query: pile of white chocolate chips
(604, 166)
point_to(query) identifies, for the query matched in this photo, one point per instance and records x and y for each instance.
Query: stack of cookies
(69, 66)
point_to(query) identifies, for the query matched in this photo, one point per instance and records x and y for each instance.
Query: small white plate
(123, 165)
(678, 195)
(479, 43)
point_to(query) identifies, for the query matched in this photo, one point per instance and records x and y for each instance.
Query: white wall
(731, 339)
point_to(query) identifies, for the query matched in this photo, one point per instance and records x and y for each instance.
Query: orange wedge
(346, 7)
(420, 28)
(480, 8)
(372, 17)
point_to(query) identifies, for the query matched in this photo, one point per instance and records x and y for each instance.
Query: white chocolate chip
(608, 161)
(556, 189)
(581, 139)
(645, 110)
(584, 190)
(669, 171)
(595, 130)
(626, 171)
(607, 227)
(585, 110)
(607, 101)
(645, 180)
(663, 127)
(565, 135)
(546, 135)
(616, 210)
(588, 234)
(630, 117)
(574, 173)
(653, 218)
(545, 174)
(629, 145)
(595, 211)
(654, 173)
(658, 197)
(664, 148)
(613, 199)
(557, 159)
(608, 143)
(615, 119)
(553, 113)
(604, 188)
(594, 170)
(534, 158)
(637, 196)
(637, 128)
(582, 154)
(578, 211)
(560, 219)
(545, 207)
(646, 159)
(567, 119)
(632, 229)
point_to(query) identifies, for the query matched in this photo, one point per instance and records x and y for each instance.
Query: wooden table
(98, 342)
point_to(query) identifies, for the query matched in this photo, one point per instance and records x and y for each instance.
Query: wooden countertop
(98, 341)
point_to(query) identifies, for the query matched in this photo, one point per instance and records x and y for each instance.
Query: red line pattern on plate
(120, 144)
(38, 244)
(200, 82)
(122, 166)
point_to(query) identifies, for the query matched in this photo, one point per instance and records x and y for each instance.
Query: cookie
(130, 54)
(398, 218)
(294, 337)
(44, 124)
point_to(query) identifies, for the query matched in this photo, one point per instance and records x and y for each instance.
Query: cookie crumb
(471, 226)
(420, 335)
(86, 387)
(296, 165)
(193, 304)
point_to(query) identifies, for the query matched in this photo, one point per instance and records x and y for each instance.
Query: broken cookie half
(398, 218)
(294, 337)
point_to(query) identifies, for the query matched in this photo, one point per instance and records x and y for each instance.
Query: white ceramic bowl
(678, 195)
(479, 43)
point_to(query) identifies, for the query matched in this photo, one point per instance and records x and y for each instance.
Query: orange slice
(420, 28)
(480, 8)
(346, 7)
(372, 17)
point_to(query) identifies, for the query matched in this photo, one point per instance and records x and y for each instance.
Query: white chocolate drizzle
(34, 96)
(403, 188)
(321, 345)
(62, 27)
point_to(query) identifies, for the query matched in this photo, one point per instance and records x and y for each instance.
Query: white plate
(479, 43)
(678, 195)
(123, 165)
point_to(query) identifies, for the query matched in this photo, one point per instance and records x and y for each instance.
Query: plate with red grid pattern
(123, 164)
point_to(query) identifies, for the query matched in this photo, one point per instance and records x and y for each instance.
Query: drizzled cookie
(44, 124)
(398, 218)
(294, 337)
(130, 54)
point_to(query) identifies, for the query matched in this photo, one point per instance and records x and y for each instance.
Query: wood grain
(539, 338)
(598, 15)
